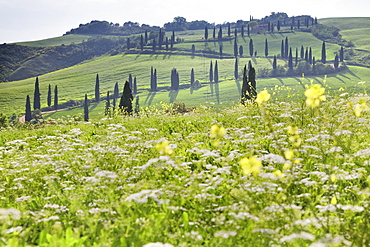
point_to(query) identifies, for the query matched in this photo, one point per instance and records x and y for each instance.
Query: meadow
(278, 173)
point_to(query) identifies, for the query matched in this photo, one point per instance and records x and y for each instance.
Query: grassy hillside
(62, 40)
(360, 37)
(346, 23)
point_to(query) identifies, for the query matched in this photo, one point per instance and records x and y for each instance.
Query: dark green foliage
(214, 32)
(193, 49)
(221, 50)
(153, 79)
(137, 106)
(274, 64)
(192, 79)
(282, 51)
(220, 33)
(86, 109)
(248, 30)
(134, 88)
(266, 48)
(278, 26)
(286, 48)
(166, 43)
(249, 64)
(211, 72)
(323, 53)
(215, 78)
(252, 81)
(175, 80)
(206, 33)
(296, 56)
(306, 55)
(236, 32)
(128, 44)
(146, 37)
(290, 59)
(154, 45)
(251, 49)
(242, 31)
(236, 72)
(107, 105)
(28, 116)
(115, 94)
(299, 24)
(302, 52)
(310, 56)
(141, 43)
(241, 51)
(269, 26)
(245, 87)
(56, 98)
(36, 96)
(229, 30)
(97, 89)
(341, 54)
(130, 80)
(336, 61)
(235, 48)
(49, 96)
(125, 104)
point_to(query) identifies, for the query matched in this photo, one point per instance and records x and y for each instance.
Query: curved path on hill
(22, 119)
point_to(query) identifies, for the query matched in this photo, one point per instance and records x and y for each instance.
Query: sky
(28, 20)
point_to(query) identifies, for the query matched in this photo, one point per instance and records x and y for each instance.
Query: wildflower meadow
(272, 172)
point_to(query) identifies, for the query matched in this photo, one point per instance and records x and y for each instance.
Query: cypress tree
(310, 56)
(274, 64)
(272, 27)
(302, 52)
(236, 72)
(245, 87)
(336, 61)
(235, 48)
(135, 86)
(306, 55)
(115, 94)
(282, 51)
(323, 53)
(126, 99)
(252, 80)
(154, 45)
(229, 30)
(86, 109)
(49, 96)
(130, 80)
(152, 79)
(278, 26)
(286, 49)
(269, 26)
(341, 54)
(28, 116)
(128, 44)
(248, 30)
(242, 31)
(193, 49)
(215, 78)
(141, 43)
(36, 95)
(107, 104)
(221, 51)
(266, 48)
(192, 79)
(249, 65)
(236, 33)
(296, 57)
(155, 79)
(56, 97)
(173, 39)
(137, 106)
(206, 33)
(299, 24)
(251, 47)
(97, 89)
(166, 43)
(290, 60)
(241, 51)
(214, 32)
(220, 33)
(211, 72)
(146, 37)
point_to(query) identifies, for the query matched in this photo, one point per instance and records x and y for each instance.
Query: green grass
(360, 38)
(347, 23)
(66, 40)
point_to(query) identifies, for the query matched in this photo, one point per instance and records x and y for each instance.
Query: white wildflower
(301, 235)
(225, 234)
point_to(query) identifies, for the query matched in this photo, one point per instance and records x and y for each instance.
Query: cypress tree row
(215, 78)
(86, 109)
(56, 97)
(251, 47)
(97, 89)
(28, 116)
(323, 53)
(49, 96)
(211, 72)
(266, 48)
(36, 95)
(125, 104)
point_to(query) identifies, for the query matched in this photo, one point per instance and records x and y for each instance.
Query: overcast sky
(27, 20)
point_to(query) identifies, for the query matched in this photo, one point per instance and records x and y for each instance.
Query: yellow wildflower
(287, 166)
(315, 95)
(292, 130)
(217, 131)
(289, 154)
(262, 97)
(333, 200)
(333, 178)
(164, 148)
(251, 165)
(278, 174)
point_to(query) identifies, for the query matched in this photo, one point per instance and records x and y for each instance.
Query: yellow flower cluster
(360, 107)
(294, 137)
(164, 148)
(251, 165)
(217, 131)
(315, 94)
(262, 97)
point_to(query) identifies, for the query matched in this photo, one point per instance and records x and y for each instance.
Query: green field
(66, 40)
(360, 37)
(346, 23)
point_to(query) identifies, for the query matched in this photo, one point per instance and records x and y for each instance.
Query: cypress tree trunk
(86, 109)
(28, 116)
(36, 95)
